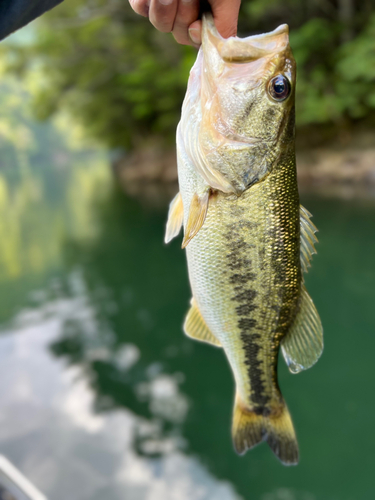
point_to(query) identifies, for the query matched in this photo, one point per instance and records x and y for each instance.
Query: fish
(248, 240)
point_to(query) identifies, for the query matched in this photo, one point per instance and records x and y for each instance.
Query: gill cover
(230, 128)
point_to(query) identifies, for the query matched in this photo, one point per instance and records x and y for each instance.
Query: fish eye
(279, 88)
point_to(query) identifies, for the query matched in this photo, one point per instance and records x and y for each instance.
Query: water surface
(101, 393)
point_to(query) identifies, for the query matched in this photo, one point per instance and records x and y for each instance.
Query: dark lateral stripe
(252, 348)
(242, 277)
(239, 264)
(245, 309)
(247, 324)
(246, 296)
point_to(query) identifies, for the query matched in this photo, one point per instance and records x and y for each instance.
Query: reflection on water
(101, 393)
(46, 187)
(48, 426)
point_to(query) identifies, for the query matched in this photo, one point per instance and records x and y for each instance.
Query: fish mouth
(244, 50)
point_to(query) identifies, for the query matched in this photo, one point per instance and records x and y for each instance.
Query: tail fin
(249, 429)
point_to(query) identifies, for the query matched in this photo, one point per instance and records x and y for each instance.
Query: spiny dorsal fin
(303, 344)
(196, 327)
(197, 215)
(175, 218)
(308, 238)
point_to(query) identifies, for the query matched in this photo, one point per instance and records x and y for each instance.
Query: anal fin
(303, 344)
(197, 215)
(175, 218)
(196, 328)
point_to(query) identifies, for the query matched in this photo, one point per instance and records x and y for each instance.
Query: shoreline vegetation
(123, 83)
(342, 168)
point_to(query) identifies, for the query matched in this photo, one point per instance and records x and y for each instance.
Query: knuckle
(165, 29)
(162, 17)
(181, 37)
(139, 6)
(161, 25)
(188, 13)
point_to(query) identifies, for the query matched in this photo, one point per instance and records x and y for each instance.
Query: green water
(102, 394)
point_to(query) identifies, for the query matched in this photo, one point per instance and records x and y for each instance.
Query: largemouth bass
(248, 240)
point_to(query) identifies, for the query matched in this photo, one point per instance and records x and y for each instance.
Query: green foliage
(109, 68)
(126, 82)
(356, 72)
(333, 43)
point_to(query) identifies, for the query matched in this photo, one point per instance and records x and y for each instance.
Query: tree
(126, 82)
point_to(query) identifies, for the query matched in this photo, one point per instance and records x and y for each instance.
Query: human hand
(181, 17)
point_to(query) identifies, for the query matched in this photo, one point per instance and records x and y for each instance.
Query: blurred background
(102, 396)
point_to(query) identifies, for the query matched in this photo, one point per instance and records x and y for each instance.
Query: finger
(195, 33)
(140, 7)
(226, 16)
(162, 14)
(187, 13)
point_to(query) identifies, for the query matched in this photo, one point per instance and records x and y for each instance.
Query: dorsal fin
(196, 327)
(308, 238)
(175, 218)
(197, 215)
(303, 344)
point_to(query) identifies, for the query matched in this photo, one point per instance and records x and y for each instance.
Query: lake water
(102, 396)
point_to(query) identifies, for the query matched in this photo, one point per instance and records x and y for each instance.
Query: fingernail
(195, 36)
(166, 2)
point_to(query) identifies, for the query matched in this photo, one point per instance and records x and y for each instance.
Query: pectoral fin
(196, 328)
(308, 238)
(197, 215)
(303, 344)
(175, 218)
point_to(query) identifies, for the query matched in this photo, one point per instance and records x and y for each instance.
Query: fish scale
(246, 236)
(238, 277)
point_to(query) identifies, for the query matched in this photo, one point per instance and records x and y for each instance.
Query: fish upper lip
(242, 50)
